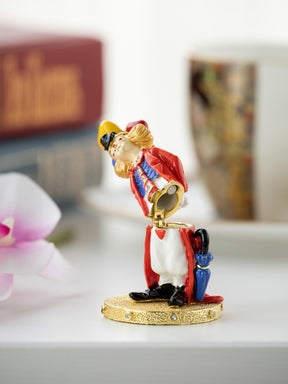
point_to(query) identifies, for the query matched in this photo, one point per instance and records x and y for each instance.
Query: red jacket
(165, 164)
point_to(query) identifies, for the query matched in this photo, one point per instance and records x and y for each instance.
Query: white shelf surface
(56, 333)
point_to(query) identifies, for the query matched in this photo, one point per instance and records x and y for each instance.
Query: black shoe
(164, 291)
(179, 298)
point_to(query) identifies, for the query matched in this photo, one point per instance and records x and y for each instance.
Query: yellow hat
(107, 131)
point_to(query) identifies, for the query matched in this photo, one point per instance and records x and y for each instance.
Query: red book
(48, 82)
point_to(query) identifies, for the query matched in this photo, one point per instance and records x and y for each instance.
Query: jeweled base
(123, 308)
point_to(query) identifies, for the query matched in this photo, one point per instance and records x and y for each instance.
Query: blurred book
(48, 82)
(62, 163)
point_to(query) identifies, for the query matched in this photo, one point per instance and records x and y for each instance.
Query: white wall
(147, 45)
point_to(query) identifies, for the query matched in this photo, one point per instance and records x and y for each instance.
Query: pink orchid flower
(27, 216)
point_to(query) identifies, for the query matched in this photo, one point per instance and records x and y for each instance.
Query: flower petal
(58, 269)
(25, 258)
(6, 286)
(35, 213)
(4, 230)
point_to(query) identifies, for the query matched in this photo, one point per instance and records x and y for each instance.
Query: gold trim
(159, 223)
(124, 309)
(199, 266)
(178, 225)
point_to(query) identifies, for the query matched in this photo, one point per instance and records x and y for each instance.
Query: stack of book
(50, 105)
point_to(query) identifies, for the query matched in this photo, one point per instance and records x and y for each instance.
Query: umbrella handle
(203, 234)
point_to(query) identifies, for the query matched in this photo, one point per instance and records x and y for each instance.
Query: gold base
(123, 308)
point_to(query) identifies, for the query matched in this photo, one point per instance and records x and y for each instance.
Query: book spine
(45, 89)
(63, 168)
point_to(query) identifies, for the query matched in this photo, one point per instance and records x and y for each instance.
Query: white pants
(168, 257)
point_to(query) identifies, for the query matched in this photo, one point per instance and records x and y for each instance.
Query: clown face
(123, 149)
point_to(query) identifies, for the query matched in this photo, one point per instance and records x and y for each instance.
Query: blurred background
(135, 64)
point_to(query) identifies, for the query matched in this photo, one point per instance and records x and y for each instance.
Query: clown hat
(106, 133)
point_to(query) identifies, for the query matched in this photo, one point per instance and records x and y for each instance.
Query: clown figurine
(176, 257)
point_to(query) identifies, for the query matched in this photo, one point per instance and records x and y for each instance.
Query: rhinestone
(128, 315)
(173, 317)
(213, 314)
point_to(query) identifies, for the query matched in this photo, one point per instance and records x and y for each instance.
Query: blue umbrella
(202, 270)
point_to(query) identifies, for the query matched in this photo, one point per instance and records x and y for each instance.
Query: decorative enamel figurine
(176, 257)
